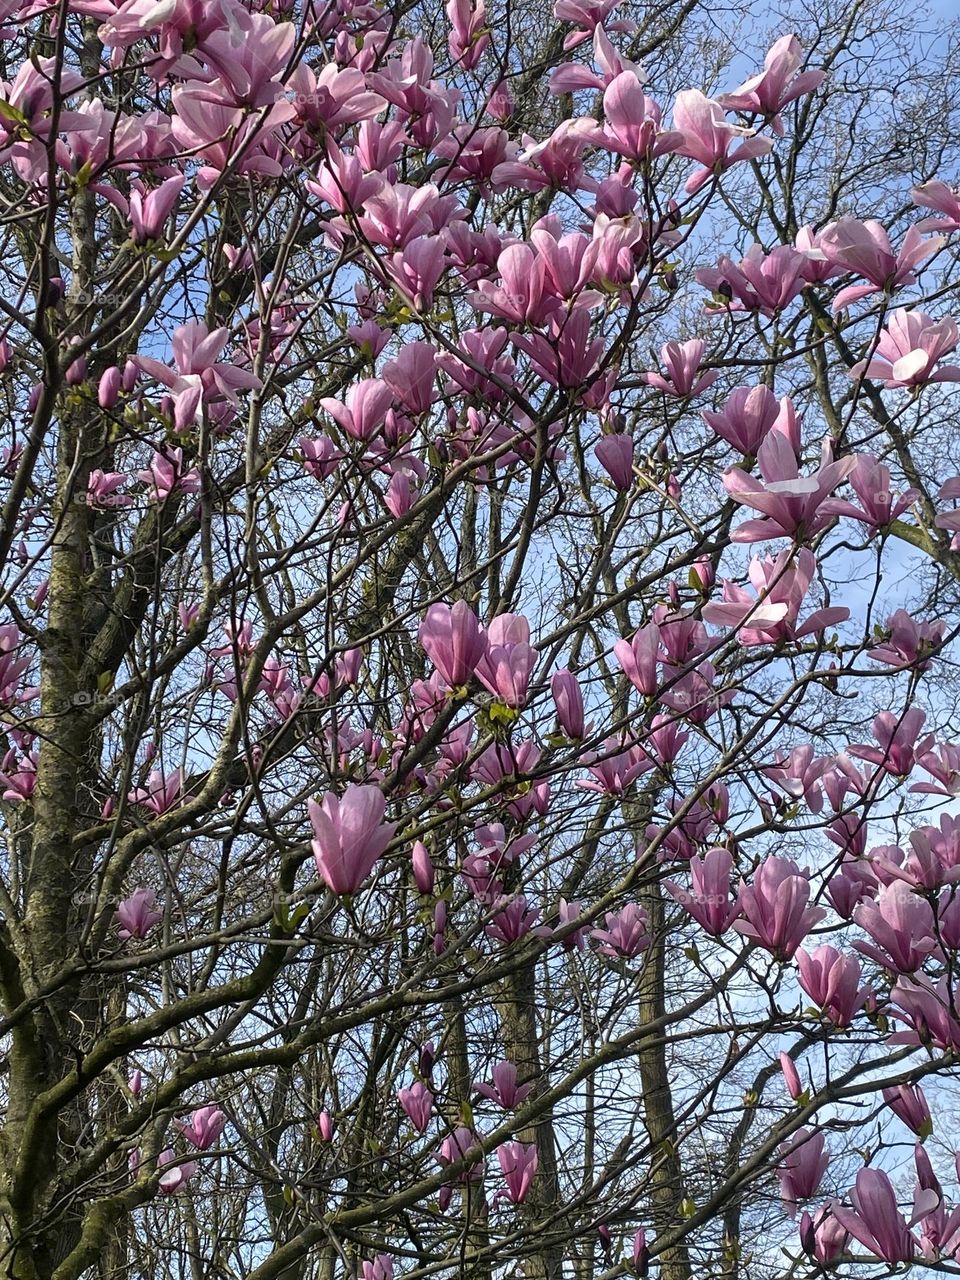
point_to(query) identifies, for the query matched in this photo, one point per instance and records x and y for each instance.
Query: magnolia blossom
(909, 347)
(349, 836)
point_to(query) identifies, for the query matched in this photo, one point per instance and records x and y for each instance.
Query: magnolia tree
(480, 573)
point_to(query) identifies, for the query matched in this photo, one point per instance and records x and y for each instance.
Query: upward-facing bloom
(803, 1162)
(204, 1127)
(904, 642)
(748, 417)
(764, 282)
(790, 503)
(639, 657)
(773, 614)
(870, 481)
(708, 138)
(568, 699)
(503, 1089)
(470, 34)
(900, 925)
(615, 455)
(775, 907)
(908, 349)
(149, 210)
(507, 664)
(626, 933)
(136, 915)
(453, 640)
(349, 836)
(518, 1164)
(864, 248)
(708, 901)
(417, 1102)
(683, 377)
(832, 981)
(876, 1221)
(899, 741)
(776, 86)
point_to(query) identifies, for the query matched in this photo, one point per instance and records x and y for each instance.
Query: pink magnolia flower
(832, 981)
(198, 373)
(631, 119)
(822, 1238)
(503, 1089)
(565, 357)
(453, 640)
(455, 1146)
(422, 867)
(470, 34)
(166, 477)
(899, 741)
(381, 1268)
(945, 767)
(876, 1221)
(136, 915)
(901, 926)
(161, 793)
(817, 268)
(775, 907)
(909, 1103)
(567, 913)
(523, 295)
(864, 248)
(625, 935)
(615, 455)
(908, 349)
(325, 1126)
(748, 417)
(417, 1102)
(102, 489)
(941, 198)
(803, 1162)
(320, 456)
(518, 1164)
(799, 775)
(871, 483)
(411, 376)
(204, 1127)
(507, 663)
(616, 767)
(334, 96)
(929, 1011)
(20, 783)
(175, 1173)
(791, 1077)
(11, 667)
(639, 657)
(708, 900)
(773, 614)
(683, 377)
(707, 138)
(790, 504)
(764, 282)
(149, 210)
(907, 643)
(361, 417)
(515, 921)
(776, 86)
(349, 836)
(568, 700)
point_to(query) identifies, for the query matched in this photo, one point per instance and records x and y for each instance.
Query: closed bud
(108, 390)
